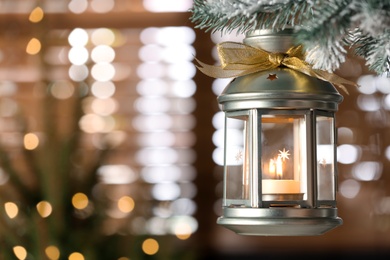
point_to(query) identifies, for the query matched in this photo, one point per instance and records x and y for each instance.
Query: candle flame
(272, 168)
(279, 168)
(276, 165)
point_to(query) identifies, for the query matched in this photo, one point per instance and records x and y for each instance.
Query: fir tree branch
(322, 26)
(324, 38)
(376, 51)
(244, 15)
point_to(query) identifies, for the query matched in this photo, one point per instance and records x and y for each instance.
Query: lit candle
(271, 167)
(279, 168)
(278, 185)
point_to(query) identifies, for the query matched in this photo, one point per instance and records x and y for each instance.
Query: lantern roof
(280, 88)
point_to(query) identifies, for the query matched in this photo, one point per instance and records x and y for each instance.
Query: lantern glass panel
(325, 158)
(237, 160)
(284, 162)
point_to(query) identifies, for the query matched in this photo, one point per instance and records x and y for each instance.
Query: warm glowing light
(20, 252)
(183, 231)
(279, 185)
(78, 55)
(52, 252)
(181, 71)
(103, 36)
(80, 201)
(169, 36)
(102, 6)
(178, 53)
(103, 53)
(103, 71)
(92, 123)
(168, 173)
(76, 256)
(150, 53)
(11, 209)
(44, 209)
(272, 168)
(104, 107)
(31, 141)
(165, 138)
(78, 37)
(150, 246)
(36, 15)
(167, 5)
(117, 174)
(276, 166)
(126, 204)
(33, 46)
(154, 87)
(78, 6)
(184, 88)
(103, 89)
(348, 154)
(279, 168)
(183, 226)
(166, 191)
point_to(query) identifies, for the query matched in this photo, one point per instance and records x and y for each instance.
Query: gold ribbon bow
(238, 59)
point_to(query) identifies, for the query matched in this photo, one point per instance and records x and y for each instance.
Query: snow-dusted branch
(326, 28)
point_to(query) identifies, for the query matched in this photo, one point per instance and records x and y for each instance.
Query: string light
(33, 46)
(11, 209)
(44, 209)
(80, 201)
(150, 246)
(20, 252)
(76, 256)
(36, 15)
(31, 141)
(126, 204)
(52, 252)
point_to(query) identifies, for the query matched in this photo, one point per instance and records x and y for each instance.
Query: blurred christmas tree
(51, 207)
(69, 185)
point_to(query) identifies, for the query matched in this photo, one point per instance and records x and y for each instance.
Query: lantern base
(280, 221)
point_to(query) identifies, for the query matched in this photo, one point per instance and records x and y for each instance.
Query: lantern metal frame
(292, 93)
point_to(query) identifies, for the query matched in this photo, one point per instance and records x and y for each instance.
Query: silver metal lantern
(280, 170)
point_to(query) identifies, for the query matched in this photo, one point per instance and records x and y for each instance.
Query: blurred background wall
(109, 140)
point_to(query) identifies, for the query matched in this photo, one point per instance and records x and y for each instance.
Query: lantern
(280, 174)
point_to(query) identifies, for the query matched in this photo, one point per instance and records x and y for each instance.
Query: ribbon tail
(216, 71)
(233, 71)
(299, 65)
(334, 79)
